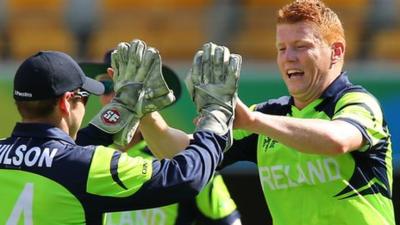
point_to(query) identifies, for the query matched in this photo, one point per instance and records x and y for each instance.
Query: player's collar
(41, 130)
(339, 84)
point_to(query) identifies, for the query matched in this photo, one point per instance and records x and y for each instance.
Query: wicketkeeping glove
(212, 83)
(139, 89)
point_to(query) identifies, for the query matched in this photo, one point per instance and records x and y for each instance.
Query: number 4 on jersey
(23, 206)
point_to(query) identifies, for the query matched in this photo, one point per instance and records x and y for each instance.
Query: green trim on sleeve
(133, 172)
(214, 200)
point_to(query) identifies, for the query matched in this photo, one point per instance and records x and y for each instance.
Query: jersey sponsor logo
(111, 116)
(144, 169)
(281, 176)
(34, 156)
(154, 216)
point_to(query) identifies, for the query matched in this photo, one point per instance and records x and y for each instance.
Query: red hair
(314, 11)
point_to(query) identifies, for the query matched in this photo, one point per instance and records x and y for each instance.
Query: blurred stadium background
(85, 29)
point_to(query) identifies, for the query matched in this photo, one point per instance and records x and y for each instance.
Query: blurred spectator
(82, 17)
(225, 20)
(4, 36)
(380, 16)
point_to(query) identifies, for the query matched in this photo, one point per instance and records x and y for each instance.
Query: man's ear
(337, 52)
(64, 104)
(110, 72)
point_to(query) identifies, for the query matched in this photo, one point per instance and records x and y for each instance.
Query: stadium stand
(174, 30)
(37, 24)
(387, 45)
(176, 27)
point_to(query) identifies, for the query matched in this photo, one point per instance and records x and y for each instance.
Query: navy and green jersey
(301, 188)
(213, 205)
(47, 179)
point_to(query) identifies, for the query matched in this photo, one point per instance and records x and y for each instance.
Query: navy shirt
(48, 179)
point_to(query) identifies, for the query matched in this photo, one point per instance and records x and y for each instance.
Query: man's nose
(290, 54)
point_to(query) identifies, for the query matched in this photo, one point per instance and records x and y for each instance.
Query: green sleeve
(363, 111)
(214, 201)
(115, 174)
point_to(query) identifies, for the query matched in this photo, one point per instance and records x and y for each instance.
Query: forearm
(160, 182)
(164, 141)
(307, 135)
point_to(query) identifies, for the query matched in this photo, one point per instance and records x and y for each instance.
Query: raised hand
(139, 89)
(212, 83)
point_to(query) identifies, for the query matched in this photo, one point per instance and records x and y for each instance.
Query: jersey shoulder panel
(363, 111)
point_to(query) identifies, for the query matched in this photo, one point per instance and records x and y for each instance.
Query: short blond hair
(314, 11)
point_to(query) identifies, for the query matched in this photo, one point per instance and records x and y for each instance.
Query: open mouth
(294, 73)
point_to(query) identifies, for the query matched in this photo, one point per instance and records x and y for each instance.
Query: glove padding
(139, 89)
(212, 83)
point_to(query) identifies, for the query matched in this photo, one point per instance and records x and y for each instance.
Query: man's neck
(302, 101)
(55, 122)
